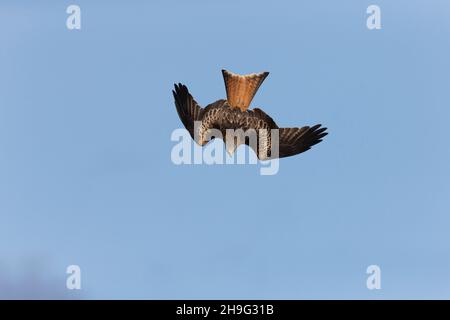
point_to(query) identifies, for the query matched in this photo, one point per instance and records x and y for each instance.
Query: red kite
(233, 113)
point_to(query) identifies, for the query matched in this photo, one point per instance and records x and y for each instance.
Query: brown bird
(233, 113)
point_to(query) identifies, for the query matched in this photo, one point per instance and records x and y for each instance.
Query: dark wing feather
(187, 108)
(297, 140)
(264, 116)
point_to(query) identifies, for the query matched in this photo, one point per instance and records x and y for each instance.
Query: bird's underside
(236, 124)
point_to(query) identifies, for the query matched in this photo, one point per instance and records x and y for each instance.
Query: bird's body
(221, 116)
(231, 115)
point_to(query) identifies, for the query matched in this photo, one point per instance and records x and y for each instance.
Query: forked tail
(242, 89)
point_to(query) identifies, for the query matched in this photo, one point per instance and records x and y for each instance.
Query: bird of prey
(233, 113)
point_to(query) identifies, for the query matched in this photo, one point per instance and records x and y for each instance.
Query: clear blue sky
(86, 176)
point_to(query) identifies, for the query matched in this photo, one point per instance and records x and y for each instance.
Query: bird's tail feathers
(242, 88)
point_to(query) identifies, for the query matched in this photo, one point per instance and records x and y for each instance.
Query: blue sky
(86, 176)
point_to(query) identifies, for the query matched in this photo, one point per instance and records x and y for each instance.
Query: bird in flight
(233, 114)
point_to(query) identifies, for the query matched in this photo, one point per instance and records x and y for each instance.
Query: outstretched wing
(188, 109)
(293, 141)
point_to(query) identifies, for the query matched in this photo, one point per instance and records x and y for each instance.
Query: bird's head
(230, 147)
(202, 141)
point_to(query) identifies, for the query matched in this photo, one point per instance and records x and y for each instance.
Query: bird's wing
(264, 116)
(188, 109)
(293, 141)
(258, 120)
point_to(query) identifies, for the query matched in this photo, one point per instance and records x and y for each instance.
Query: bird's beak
(230, 147)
